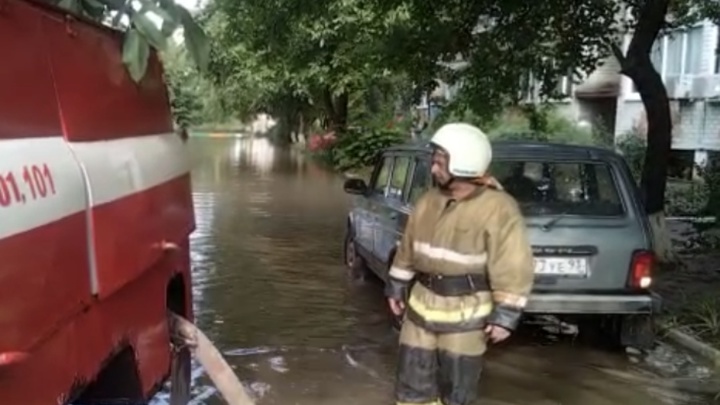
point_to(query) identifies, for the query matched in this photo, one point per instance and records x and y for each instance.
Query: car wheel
(618, 332)
(353, 261)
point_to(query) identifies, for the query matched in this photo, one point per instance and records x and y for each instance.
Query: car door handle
(394, 215)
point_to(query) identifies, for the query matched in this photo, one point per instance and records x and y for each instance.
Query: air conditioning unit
(679, 87)
(706, 87)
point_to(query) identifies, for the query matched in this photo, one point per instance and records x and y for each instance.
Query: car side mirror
(355, 186)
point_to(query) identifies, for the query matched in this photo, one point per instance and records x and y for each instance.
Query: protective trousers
(438, 368)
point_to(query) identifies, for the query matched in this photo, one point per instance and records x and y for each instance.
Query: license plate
(562, 266)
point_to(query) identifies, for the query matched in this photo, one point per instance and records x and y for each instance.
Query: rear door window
(561, 187)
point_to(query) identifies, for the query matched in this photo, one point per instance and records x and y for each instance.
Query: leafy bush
(453, 114)
(686, 198)
(632, 147)
(681, 198)
(543, 126)
(358, 147)
(700, 315)
(711, 177)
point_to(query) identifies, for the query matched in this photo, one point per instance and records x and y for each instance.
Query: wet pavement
(271, 291)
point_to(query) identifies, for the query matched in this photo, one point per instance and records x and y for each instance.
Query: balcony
(604, 82)
(705, 87)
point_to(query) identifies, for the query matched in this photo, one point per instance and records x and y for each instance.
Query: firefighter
(461, 275)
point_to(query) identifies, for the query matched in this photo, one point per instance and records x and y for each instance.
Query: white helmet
(468, 148)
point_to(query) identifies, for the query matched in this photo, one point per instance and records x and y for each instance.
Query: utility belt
(454, 286)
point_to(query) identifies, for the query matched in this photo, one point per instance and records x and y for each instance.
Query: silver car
(591, 238)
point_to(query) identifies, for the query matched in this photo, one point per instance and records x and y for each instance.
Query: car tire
(619, 332)
(355, 263)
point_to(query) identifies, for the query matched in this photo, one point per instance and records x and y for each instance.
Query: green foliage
(329, 62)
(135, 53)
(686, 199)
(382, 102)
(185, 105)
(701, 317)
(195, 100)
(552, 127)
(460, 113)
(359, 147)
(511, 41)
(140, 31)
(632, 147)
(682, 198)
(532, 124)
(196, 42)
(711, 177)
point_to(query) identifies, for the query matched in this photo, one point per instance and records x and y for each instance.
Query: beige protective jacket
(484, 233)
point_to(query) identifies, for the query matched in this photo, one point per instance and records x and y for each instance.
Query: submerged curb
(693, 344)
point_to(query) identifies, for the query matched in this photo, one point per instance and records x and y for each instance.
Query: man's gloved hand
(496, 334)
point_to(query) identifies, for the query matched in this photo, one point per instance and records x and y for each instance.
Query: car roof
(524, 149)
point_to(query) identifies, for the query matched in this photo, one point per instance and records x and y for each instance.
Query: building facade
(688, 63)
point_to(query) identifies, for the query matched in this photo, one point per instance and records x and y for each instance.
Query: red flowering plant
(321, 142)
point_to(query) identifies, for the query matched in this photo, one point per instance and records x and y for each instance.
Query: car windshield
(546, 187)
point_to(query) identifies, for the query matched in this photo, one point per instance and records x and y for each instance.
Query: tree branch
(328, 103)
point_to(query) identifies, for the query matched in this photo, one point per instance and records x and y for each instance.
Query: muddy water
(271, 291)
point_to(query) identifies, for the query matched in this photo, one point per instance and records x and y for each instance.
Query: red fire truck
(95, 215)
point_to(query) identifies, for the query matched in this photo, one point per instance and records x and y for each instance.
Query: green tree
(141, 33)
(322, 54)
(181, 80)
(319, 55)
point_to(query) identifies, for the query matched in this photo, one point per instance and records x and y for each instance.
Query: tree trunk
(638, 66)
(341, 113)
(336, 109)
(284, 128)
(301, 128)
(653, 180)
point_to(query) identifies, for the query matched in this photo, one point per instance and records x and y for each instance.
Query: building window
(674, 52)
(693, 51)
(679, 53)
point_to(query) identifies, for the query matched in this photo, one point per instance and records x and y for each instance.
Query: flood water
(271, 291)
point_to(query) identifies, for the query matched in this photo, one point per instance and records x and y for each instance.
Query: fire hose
(188, 339)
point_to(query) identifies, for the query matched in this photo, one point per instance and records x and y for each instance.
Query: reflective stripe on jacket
(484, 233)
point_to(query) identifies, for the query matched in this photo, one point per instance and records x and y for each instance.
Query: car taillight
(641, 269)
